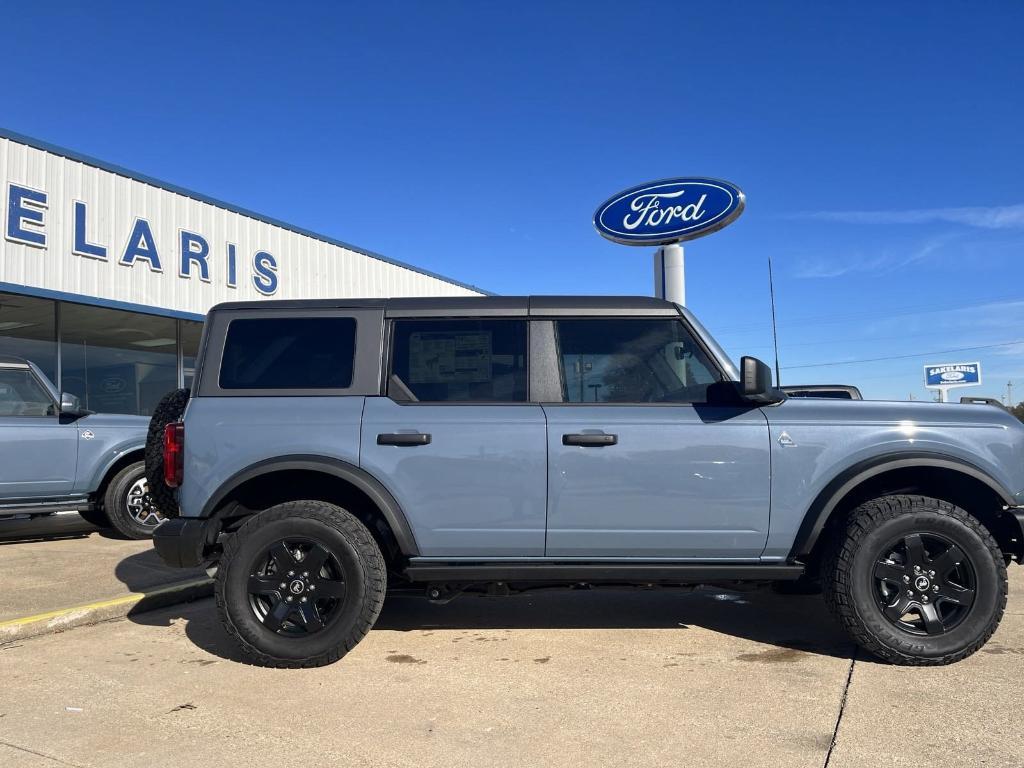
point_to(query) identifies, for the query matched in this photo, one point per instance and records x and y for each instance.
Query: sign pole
(670, 274)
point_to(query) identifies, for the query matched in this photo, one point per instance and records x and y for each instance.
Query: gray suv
(56, 456)
(329, 450)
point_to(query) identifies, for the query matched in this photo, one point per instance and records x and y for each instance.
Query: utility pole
(1009, 394)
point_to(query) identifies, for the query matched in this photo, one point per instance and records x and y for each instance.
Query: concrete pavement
(59, 571)
(603, 678)
(551, 679)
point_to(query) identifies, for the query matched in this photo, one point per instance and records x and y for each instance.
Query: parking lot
(557, 678)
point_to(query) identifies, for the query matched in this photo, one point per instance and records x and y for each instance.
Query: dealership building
(105, 274)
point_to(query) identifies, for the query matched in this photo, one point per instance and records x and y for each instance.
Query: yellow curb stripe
(132, 597)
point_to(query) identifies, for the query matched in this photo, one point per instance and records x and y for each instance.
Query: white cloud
(883, 263)
(995, 217)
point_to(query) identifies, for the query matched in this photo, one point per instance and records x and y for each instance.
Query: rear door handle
(590, 440)
(407, 439)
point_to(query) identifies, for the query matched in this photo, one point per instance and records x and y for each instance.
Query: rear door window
(465, 360)
(288, 353)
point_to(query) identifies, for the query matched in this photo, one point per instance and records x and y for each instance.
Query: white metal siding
(306, 267)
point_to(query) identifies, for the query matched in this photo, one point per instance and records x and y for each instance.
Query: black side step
(617, 572)
(41, 507)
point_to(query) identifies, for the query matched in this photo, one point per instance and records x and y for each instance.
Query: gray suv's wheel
(128, 505)
(300, 584)
(916, 580)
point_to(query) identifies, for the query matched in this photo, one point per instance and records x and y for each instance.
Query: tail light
(174, 454)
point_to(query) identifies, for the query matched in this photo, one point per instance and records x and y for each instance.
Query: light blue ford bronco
(55, 456)
(329, 450)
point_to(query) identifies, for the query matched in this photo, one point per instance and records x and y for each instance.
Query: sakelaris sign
(669, 211)
(952, 375)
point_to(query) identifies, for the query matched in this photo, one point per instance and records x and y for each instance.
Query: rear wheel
(916, 580)
(128, 505)
(300, 584)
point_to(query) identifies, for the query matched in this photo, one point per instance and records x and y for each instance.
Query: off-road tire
(347, 539)
(168, 410)
(850, 584)
(115, 503)
(95, 516)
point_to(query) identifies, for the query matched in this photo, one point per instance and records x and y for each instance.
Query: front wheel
(916, 580)
(300, 584)
(128, 505)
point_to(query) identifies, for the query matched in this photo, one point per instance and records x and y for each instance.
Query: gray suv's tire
(916, 581)
(95, 516)
(300, 584)
(127, 503)
(168, 410)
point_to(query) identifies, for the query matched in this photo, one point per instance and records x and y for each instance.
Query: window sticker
(444, 357)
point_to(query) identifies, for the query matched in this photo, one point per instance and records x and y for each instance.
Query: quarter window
(289, 353)
(632, 361)
(459, 360)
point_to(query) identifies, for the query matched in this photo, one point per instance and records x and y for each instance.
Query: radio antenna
(775, 330)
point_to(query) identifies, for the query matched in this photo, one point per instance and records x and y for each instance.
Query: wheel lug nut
(288, 599)
(917, 569)
(935, 588)
(305, 574)
(303, 599)
(906, 580)
(910, 593)
(283, 585)
(931, 573)
(924, 598)
(312, 587)
(291, 573)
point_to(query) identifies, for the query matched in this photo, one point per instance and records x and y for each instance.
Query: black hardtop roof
(488, 305)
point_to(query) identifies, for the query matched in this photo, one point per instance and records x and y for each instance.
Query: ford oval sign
(669, 211)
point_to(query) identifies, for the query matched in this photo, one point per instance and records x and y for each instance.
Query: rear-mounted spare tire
(168, 410)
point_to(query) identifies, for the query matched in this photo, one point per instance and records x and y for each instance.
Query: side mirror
(71, 405)
(756, 382)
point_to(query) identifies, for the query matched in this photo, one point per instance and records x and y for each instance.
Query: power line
(904, 357)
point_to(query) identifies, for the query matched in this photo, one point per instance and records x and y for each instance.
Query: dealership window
(459, 360)
(117, 361)
(632, 361)
(28, 329)
(191, 332)
(114, 360)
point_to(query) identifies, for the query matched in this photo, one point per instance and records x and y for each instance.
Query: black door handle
(403, 438)
(590, 440)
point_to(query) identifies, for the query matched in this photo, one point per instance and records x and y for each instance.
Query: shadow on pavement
(791, 623)
(17, 530)
(145, 570)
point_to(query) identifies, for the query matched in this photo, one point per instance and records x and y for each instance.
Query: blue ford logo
(669, 211)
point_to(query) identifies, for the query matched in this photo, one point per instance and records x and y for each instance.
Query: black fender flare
(339, 468)
(833, 493)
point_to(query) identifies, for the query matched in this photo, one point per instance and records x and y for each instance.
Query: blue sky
(880, 146)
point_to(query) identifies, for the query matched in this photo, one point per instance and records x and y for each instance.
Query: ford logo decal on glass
(669, 211)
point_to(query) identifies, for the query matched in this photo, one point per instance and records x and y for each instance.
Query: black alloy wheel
(915, 580)
(298, 587)
(926, 584)
(299, 584)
